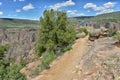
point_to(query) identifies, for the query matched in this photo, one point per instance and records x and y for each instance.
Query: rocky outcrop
(21, 41)
(97, 33)
(80, 35)
(102, 62)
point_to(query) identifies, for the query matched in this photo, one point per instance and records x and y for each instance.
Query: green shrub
(111, 32)
(83, 30)
(3, 48)
(10, 72)
(68, 48)
(55, 32)
(55, 36)
(36, 71)
(7, 71)
(48, 57)
(117, 36)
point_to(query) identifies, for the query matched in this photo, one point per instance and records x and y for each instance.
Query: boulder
(80, 35)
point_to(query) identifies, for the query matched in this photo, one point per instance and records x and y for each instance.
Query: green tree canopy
(55, 34)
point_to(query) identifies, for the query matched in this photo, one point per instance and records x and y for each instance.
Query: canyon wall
(21, 42)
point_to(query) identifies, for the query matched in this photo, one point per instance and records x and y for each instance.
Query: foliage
(117, 36)
(55, 36)
(111, 32)
(36, 71)
(48, 57)
(68, 48)
(17, 23)
(104, 18)
(73, 21)
(3, 48)
(83, 30)
(8, 71)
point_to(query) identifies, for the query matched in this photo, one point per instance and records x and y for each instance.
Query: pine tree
(54, 34)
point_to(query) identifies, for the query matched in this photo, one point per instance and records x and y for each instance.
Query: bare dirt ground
(65, 67)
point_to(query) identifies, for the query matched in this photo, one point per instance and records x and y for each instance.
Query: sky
(33, 9)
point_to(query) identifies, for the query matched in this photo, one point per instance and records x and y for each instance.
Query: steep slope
(64, 68)
(20, 42)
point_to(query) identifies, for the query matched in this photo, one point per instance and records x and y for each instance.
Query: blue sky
(33, 9)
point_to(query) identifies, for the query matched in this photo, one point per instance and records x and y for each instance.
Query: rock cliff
(21, 42)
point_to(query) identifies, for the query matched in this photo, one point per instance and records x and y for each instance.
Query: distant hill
(77, 19)
(102, 18)
(83, 17)
(108, 17)
(19, 23)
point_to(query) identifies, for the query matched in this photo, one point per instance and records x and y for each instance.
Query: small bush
(36, 71)
(117, 36)
(83, 30)
(68, 48)
(111, 32)
(48, 57)
(3, 48)
(10, 72)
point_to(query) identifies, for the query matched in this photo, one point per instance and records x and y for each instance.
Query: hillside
(102, 18)
(77, 19)
(108, 17)
(10, 23)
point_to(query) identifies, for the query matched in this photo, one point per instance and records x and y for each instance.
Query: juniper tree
(54, 34)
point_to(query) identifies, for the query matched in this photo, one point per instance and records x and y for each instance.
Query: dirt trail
(65, 67)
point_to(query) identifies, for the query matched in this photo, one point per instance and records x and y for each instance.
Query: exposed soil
(65, 68)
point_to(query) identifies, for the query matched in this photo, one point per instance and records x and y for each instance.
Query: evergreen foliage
(55, 36)
(117, 36)
(8, 71)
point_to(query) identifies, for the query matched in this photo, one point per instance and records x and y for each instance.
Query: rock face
(102, 62)
(21, 41)
(80, 35)
(98, 33)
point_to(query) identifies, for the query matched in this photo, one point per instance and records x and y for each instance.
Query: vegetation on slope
(108, 17)
(76, 20)
(117, 36)
(102, 18)
(17, 23)
(9, 70)
(55, 36)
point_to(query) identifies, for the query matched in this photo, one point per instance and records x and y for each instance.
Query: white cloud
(109, 5)
(28, 7)
(21, 0)
(1, 13)
(14, 0)
(18, 10)
(73, 13)
(90, 5)
(64, 4)
(105, 8)
(45, 6)
(105, 11)
(0, 3)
